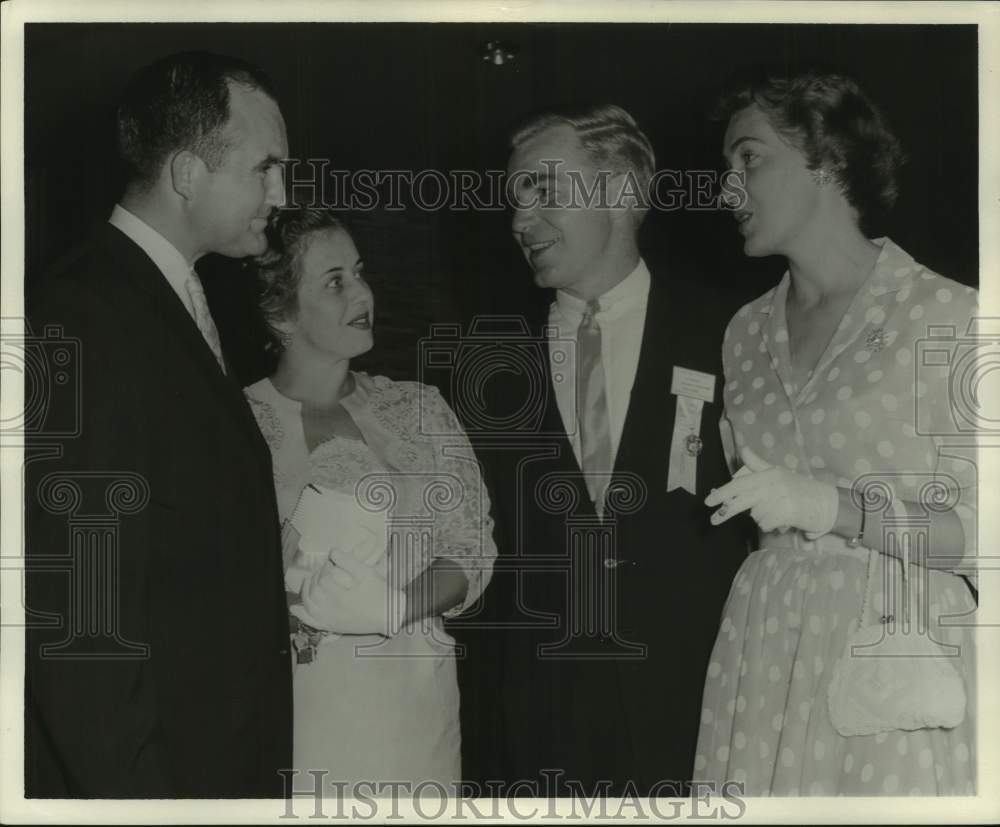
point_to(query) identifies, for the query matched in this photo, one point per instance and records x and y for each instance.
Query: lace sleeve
(464, 533)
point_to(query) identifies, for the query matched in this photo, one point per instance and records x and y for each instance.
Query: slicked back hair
(180, 102)
(608, 134)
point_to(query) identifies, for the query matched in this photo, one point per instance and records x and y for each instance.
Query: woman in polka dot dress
(826, 389)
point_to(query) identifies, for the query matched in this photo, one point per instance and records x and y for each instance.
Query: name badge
(692, 389)
(693, 384)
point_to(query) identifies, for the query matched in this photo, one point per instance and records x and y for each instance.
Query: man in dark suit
(611, 581)
(157, 648)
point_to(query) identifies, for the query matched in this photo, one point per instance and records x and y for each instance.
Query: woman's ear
(285, 330)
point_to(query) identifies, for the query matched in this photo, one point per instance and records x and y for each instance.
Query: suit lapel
(162, 304)
(649, 420)
(552, 421)
(650, 414)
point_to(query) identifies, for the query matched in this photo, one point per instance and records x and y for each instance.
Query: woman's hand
(366, 546)
(776, 497)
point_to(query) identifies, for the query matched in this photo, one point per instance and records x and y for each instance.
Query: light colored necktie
(203, 318)
(592, 408)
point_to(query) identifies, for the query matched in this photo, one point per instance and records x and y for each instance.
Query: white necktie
(203, 318)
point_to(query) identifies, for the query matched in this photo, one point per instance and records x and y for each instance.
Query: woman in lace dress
(827, 390)
(376, 697)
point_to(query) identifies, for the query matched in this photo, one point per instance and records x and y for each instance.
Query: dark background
(419, 96)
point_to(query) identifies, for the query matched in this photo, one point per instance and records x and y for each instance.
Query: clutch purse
(914, 687)
(326, 519)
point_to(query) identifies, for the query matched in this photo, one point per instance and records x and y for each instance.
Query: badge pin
(876, 340)
(693, 444)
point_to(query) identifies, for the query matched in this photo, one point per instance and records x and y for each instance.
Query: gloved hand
(368, 605)
(776, 497)
(364, 545)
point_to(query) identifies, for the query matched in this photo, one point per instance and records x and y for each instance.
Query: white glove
(776, 498)
(368, 605)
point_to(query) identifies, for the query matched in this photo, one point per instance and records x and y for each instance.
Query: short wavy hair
(607, 133)
(180, 102)
(833, 123)
(279, 268)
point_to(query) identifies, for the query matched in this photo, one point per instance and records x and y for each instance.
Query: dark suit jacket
(604, 699)
(170, 674)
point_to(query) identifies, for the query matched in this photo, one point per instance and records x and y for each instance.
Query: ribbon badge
(692, 389)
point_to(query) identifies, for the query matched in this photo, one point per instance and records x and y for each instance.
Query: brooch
(876, 340)
(693, 444)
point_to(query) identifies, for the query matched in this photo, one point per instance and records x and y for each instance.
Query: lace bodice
(415, 463)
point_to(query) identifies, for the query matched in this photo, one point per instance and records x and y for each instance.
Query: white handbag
(914, 687)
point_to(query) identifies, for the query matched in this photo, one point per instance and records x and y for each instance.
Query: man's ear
(623, 196)
(185, 169)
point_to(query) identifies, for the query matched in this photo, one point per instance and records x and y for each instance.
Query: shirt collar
(168, 259)
(631, 290)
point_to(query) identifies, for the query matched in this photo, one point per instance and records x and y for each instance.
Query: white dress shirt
(175, 268)
(622, 316)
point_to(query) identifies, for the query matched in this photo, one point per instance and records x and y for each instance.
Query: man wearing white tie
(183, 689)
(611, 586)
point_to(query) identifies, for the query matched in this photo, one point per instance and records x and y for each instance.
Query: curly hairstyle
(180, 102)
(278, 270)
(607, 133)
(829, 119)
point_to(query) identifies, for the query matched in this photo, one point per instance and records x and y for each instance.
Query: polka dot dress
(875, 404)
